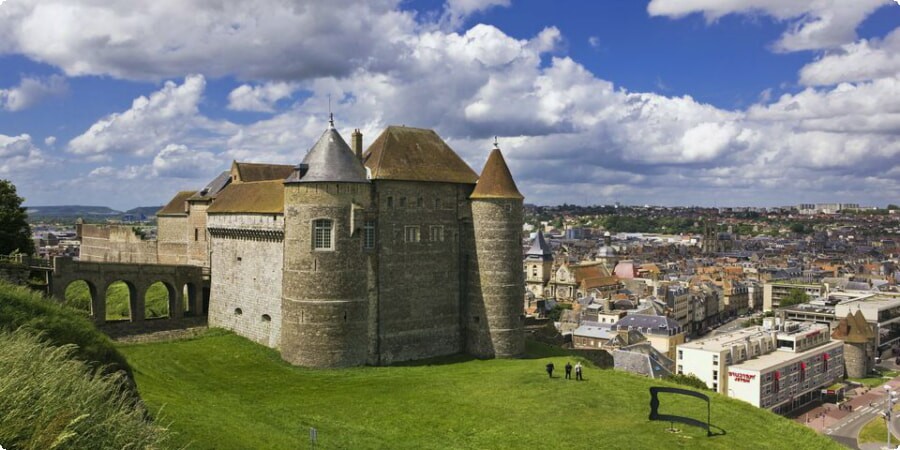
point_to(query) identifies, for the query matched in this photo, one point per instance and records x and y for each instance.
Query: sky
(663, 102)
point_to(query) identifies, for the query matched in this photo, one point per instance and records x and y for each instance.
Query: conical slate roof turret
(496, 181)
(539, 248)
(329, 160)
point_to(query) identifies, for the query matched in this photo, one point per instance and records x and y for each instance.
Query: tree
(15, 233)
(795, 297)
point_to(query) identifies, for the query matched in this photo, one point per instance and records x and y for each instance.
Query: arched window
(266, 318)
(322, 234)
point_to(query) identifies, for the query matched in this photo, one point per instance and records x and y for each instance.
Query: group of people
(578, 370)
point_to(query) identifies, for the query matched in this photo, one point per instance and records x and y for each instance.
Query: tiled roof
(262, 197)
(252, 172)
(415, 154)
(176, 207)
(854, 329)
(496, 181)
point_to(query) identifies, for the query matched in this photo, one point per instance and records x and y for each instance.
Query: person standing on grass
(568, 370)
(578, 371)
(550, 369)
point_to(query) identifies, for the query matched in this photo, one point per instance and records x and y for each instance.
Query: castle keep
(400, 252)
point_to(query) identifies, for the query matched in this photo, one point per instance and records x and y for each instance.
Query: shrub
(60, 325)
(688, 380)
(48, 400)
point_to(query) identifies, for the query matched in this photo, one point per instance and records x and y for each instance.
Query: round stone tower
(495, 322)
(859, 344)
(324, 294)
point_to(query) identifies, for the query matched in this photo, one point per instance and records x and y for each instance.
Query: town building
(778, 366)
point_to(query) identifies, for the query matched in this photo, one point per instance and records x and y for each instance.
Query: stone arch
(160, 300)
(121, 302)
(81, 295)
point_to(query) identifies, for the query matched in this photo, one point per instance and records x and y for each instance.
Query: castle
(397, 253)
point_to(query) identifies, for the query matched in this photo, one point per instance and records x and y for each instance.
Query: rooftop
(415, 154)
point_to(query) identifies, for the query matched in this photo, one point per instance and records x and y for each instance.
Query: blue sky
(676, 102)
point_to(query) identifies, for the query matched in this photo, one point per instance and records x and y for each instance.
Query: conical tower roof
(539, 248)
(496, 181)
(854, 329)
(329, 160)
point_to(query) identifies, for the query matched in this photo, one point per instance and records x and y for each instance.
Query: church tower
(538, 265)
(495, 323)
(324, 294)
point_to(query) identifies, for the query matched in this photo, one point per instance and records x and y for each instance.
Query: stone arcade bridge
(180, 281)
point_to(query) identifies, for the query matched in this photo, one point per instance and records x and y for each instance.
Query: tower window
(420, 202)
(196, 234)
(437, 203)
(411, 233)
(437, 233)
(322, 234)
(534, 271)
(369, 234)
(266, 318)
(390, 202)
(403, 202)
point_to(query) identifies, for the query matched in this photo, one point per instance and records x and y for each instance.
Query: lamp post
(891, 398)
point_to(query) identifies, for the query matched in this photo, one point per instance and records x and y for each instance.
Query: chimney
(356, 143)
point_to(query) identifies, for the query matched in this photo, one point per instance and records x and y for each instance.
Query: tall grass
(21, 307)
(48, 400)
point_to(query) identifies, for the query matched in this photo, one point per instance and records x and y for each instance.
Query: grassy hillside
(50, 401)
(78, 296)
(21, 307)
(222, 391)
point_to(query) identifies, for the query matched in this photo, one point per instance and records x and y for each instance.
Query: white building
(777, 368)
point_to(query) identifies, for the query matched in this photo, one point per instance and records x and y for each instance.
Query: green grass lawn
(117, 300)
(221, 391)
(876, 380)
(876, 431)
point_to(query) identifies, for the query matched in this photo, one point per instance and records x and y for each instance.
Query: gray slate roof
(539, 248)
(330, 160)
(648, 324)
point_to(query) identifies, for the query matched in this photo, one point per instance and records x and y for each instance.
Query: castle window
(437, 233)
(238, 311)
(437, 203)
(196, 234)
(266, 318)
(369, 234)
(411, 233)
(322, 234)
(403, 202)
(390, 202)
(420, 202)
(534, 271)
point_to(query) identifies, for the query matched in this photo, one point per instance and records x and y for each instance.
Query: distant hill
(68, 213)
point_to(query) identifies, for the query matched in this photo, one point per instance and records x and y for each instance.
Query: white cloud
(170, 114)
(261, 98)
(255, 39)
(18, 155)
(50, 141)
(815, 24)
(30, 91)
(178, 161)
(594, 41)
(859, 61)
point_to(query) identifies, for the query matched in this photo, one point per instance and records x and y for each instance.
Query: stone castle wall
(198, 238)
(419, 284)
(172, 239)
(116, 243)
(246, 270)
